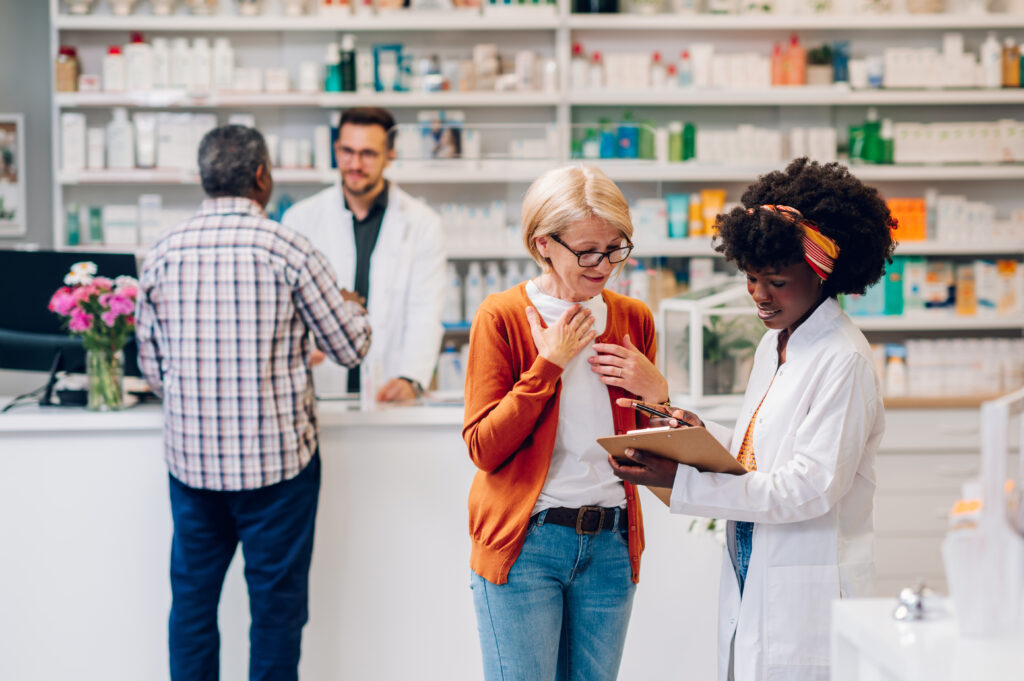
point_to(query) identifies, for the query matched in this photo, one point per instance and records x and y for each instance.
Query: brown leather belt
(588, 519)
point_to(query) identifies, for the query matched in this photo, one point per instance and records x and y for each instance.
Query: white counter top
(953, 430)
(147, 417)
(870, 644)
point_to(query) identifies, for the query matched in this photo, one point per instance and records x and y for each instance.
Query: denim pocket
(532, 527)
(622, 536)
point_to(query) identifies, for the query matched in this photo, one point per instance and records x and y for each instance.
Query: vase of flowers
(102, 312)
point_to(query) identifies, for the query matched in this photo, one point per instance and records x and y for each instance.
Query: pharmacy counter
(85, 533)
(869, 645)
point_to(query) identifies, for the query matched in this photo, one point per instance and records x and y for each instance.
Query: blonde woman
(556, 537)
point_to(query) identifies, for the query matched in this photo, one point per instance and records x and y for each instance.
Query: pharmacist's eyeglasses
(593, 258)
(365, 155)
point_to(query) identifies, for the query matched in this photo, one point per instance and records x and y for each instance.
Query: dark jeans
(275, 526)
(744, 545)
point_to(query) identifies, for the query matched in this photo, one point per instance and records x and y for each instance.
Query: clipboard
(692, 445)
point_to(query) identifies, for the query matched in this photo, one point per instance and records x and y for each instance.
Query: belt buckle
(579, 519)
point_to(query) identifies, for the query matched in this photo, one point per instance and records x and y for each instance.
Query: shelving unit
(531, 19)
(786, 23)
(550, 30)
(175, 99)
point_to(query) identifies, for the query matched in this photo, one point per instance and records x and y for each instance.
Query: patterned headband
(820, 252)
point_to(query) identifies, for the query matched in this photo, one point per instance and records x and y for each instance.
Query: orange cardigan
(512, 397)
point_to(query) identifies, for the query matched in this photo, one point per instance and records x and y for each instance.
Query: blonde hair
(563, 196)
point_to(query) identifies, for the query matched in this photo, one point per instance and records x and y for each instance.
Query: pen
(650, 411)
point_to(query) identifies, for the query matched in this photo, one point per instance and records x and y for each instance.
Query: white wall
(25, 82)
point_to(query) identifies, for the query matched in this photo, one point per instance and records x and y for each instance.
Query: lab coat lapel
(338, 240)
(389, 271)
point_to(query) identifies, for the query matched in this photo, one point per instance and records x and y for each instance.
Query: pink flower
(83, 293)
(80, 321)
(121, 305)
(102, 283)
(128, 292)
(62, 301)
(110, 318)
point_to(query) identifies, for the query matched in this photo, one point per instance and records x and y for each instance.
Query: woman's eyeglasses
(593, 258)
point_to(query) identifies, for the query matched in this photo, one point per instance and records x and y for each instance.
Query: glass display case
(707, 344)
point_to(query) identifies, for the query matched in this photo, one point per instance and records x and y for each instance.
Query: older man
(226, 305)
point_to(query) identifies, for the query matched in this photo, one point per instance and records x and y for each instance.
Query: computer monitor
(32, 337)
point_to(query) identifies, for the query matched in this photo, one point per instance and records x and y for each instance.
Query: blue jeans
(563, 613)
(744, 545)
(275, 526)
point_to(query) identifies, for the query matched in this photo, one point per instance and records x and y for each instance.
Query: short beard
(361, 192)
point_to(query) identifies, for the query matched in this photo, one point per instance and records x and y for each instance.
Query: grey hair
(228, 159)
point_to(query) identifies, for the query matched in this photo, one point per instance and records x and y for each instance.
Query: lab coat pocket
(798, 600)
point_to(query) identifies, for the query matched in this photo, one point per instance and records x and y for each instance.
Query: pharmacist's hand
(645, 469)
(563, 340)
(396, 390)
(353, 297)
(626, 367)
(681, 418)
(316, 357)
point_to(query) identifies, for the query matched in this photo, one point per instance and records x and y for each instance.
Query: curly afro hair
(845, 210)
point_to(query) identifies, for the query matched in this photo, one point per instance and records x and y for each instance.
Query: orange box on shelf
(911, 218)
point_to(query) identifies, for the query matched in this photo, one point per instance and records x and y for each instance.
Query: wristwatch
(417, 389)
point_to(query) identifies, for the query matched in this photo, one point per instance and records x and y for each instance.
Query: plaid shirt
(226, 303)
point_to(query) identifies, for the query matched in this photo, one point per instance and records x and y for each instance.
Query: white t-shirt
(579, 474)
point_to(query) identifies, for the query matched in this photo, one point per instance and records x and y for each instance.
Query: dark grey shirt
(366, 232)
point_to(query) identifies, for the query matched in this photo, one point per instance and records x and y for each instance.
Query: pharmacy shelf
(937, 322)
(403, 172)
(775, 22)
(468, 172)
(173, 176)
(836, 95)
(399, 20)
(691, 171)
(180, 99)
(497, 172)
(956, 248)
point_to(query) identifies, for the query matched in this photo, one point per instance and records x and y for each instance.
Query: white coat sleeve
(818, 467)
(421, 342)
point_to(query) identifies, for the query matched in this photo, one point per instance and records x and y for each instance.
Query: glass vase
(105, 369)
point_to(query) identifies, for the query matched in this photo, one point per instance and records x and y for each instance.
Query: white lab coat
(811, 498)
(407, 281)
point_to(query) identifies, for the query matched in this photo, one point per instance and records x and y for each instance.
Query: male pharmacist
(388, 248)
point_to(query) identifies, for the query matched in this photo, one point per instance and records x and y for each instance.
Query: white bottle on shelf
(685, 69)
(513, 275)
(120, 141)
(474, 289)
(991, 60)
(896, 372)
(113, 70)
(181, 64)
(161, 63)
(223, 65)
(658, 74)
(596, 75)
(450, 376)
(202, 62)
(578, 69)
(452, 313)
(138, 62)
(492, 279)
